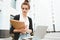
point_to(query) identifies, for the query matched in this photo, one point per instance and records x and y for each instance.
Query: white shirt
(25, 20)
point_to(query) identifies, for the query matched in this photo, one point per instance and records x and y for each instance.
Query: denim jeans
(22, 36)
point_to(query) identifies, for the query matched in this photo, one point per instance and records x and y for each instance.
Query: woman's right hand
(19, 30)
(23, 30)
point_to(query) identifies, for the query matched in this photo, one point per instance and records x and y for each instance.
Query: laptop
(40, 32)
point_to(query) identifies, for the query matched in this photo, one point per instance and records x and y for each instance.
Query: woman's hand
(23, 31)
(26, 30)
(20, 30)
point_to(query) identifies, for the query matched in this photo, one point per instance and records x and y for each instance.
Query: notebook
(17, 24)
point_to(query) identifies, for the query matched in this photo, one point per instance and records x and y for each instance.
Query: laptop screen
(40, 31)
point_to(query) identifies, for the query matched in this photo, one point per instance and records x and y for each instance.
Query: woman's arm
(25, 30)
(11, 28)
(30, 25)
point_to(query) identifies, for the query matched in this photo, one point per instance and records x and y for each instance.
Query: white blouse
(25, 20)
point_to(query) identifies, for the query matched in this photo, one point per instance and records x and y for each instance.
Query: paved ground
(52, 36)
(48, 36)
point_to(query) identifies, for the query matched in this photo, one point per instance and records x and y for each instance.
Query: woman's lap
(22, 36)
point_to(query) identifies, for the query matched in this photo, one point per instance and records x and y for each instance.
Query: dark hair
(26, 2)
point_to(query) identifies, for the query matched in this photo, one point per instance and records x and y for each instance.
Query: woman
(20, 34)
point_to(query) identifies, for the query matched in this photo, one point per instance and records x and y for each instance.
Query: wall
(5, 15)
(57, 14)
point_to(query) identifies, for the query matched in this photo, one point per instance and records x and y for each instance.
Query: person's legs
(22, 36)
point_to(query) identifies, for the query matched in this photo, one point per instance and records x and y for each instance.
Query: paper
(17, 24)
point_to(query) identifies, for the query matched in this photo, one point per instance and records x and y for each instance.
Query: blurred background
(42, 12)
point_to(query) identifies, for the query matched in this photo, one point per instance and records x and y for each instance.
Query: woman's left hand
(26, 30)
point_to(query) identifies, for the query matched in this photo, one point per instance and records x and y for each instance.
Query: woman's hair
(26, 2)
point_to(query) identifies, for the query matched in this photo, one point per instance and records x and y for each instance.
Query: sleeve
(31, 26)
(11, 28)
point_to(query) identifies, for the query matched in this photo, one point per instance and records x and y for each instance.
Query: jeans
(22, 36)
